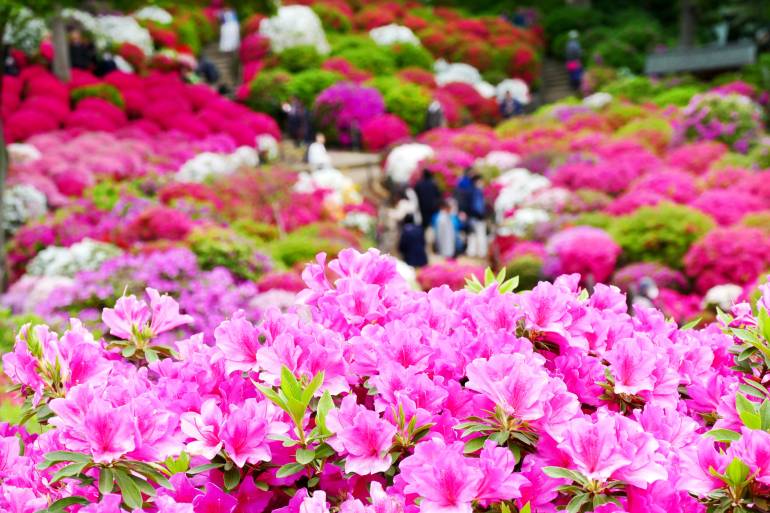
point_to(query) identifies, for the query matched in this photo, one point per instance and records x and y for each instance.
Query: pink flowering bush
(731, 118)
(368, 396)
(585, 250)
(343, 106)
(448, 272)
(728, 206)
(728, 255)
(447, 166)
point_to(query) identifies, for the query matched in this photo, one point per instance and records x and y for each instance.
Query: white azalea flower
(403, 160)
(86, 255)
(295, 25)
(392, 34)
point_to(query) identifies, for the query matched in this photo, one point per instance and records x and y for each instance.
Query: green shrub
(300, 58)
(332, 19)
(679, 96)
(640, 37)
(10, 325)
(760, 220)
(268, 91)
(376, 59)
(636, 89)
(563, 19)
(662, 233)
(259, 232)
(302, 245)
(595, 219)
(104, 91)
(307, 84)
(618, 54)
(221, 247)
(408, 101)
(528, 268)
(409, 55)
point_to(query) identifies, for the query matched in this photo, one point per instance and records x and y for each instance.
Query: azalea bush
(268, 417)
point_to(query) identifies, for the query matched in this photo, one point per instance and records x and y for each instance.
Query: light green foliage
(300, 58)
(408, 101)
(222, 247)
(268, 90)
(307, 84)
(104, 91)
(662, 233)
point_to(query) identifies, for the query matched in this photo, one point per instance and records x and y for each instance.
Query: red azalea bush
(728, 255)
(381, 131)
(345, 68)
(157, 223)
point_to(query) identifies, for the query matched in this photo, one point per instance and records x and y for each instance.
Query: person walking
(229, 32)
(477, 224)
(574, 54)
(509, 106)
(428, 197)
(446, 231)
(411, 244)
(434, 118)
(317, 157)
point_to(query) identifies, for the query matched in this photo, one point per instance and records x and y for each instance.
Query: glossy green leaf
(106, 481)
(132, 497)
(289, 470)
(474, 444)
(304, 456)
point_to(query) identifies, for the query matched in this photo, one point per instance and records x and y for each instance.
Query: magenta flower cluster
(347, 106)
(367, 396)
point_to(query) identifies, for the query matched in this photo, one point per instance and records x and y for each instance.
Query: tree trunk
(61, 52)
(4, 277)
(687, 23)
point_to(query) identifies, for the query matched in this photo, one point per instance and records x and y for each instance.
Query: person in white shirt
(317, 157)
(229, 32)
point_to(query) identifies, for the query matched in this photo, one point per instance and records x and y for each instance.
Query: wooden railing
(701, 59)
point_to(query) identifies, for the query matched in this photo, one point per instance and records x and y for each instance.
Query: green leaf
(323, 451)
(737, 472)
(128, 351)
(70, 470)
(724, 435)
(489, 276)
(290, 385)
(577, 502)
(296, 411)
(152, 473)
(54, 457)
(232, 478)
(289, 470)
(144, 487)
(565, 473)
(526, 509)
(304, 456)
(604, 499)
(312, 388)
(150, 355)
(474, 444)
(132, 497)
(325, 404)
(273, 396)
(59, 505)
(747, 411)
(764, 415)
(763, 323)
(106, 481)
(690, 325)
(179, 465)
(203, 468)
(500, 437)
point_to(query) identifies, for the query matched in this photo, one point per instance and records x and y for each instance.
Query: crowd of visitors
(449, 225)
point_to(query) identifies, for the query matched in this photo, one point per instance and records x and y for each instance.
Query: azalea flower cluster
(368, 396)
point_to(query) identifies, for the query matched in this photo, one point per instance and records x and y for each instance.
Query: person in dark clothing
(296, 120)
(208, 71)
(106, 64)
(574, 54)
(82, 52)
(434, 118)
(509, 106)
(411, 245)
(428, 196)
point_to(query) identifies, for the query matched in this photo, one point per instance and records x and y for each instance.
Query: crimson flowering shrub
(527, 400)
(381, 131)
(728, 255)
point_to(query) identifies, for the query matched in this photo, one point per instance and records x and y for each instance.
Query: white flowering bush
(294, 25)
(20, 204)
(723, 296)
(343, 189)
(523, 222)
(108, 31)
(29, 292)
(210, 164)
(517, 186)
(403, 160)
(597, 101)
(267, 146)
(518, 88)
(392, 34)
(485, 89)
(501, 160)
(361, 221)
(86, 255)
(456, 72)
(25, 31)
(155, 14)
(21, 153)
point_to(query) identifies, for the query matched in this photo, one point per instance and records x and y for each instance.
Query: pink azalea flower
(518, 384)
(214, 501)
(204, 428)
(753, 449)
(239, 342)
(363, 435)
(128, 315)
(632, 366)
(247, 430)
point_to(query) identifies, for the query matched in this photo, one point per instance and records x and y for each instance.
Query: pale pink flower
(204, 428)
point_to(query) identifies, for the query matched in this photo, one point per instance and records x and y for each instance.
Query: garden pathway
(555, 82)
